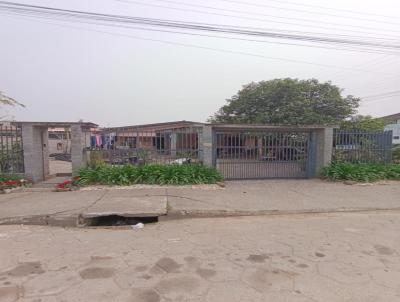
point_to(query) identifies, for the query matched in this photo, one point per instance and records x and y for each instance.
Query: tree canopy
(363, 122)
(6, 100)
(288, 101)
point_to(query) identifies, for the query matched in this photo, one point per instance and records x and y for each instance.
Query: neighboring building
(161, 137)
(59, 141)
(393, 125)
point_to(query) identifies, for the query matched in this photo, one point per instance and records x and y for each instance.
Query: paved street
(315, 257)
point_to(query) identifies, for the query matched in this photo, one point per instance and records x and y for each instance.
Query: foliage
(10, 159)
(364, 123)
(95, 159)
(6, 100)
(11, 181)
(362, 172)
(68, 185)
(396, 154)
(4, 178)
(287, 101)
(149, 174)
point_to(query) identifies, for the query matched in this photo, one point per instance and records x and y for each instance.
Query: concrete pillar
(46, 152)
(323, 149)
(32, 137)
(79, 142)
(207, 146)
(174, 138)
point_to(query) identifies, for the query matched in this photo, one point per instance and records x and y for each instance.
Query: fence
(362, 147)
(138, 146)
(11, 150)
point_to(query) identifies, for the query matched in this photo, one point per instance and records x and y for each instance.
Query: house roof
(392, 117)
(269, 127)
(56, 124)
(156, 126)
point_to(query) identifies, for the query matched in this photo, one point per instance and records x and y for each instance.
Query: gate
(241, 154)
(11, 150)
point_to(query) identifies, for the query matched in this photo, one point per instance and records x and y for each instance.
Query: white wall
(396, 132)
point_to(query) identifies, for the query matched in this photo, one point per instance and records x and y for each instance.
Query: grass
(149, 174)
(362, 172)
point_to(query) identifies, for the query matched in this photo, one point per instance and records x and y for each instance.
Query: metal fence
(140, 146)
(11, 150)
(262, 154)
(358, 146)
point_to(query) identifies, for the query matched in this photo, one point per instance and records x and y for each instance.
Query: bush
(362, 172)
(396, 154)
(149, 174)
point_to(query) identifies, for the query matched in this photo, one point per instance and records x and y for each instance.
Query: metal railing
(358, 146)
(11, 150)
(138, 146)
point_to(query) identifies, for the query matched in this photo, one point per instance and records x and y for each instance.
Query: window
(396, 137)
(59, 146)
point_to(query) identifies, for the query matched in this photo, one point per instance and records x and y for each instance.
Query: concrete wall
(33, 138)
(323, 150)
(206, 144)
(80, 139)
(396, 132)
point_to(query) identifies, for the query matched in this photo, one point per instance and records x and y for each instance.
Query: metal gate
(262, 154)
(11, 149)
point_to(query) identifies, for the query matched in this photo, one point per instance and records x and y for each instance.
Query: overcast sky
(64, 71)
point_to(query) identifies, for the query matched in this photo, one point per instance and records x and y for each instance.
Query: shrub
(396, 154)
(362, 172)
(149, 174)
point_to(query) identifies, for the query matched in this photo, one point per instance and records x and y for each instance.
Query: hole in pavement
(116, 220)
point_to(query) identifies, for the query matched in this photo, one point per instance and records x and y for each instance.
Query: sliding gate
(262, 154)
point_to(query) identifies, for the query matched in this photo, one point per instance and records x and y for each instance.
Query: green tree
(363, 122)
(6, 100)
(287, 101)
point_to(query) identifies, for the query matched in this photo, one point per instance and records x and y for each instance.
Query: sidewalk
(236, 199)
(284, 196)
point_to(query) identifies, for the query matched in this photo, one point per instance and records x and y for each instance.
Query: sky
(69, 71)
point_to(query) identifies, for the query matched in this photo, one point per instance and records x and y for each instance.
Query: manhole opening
(116, 220)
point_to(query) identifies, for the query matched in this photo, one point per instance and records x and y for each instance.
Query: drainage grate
(117, 220)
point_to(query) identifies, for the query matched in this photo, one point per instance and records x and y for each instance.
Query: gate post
(79, 142)
(323, 149)
(33, 144)
(207, 146)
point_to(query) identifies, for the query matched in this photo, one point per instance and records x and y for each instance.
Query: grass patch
(362, 172)
(149, 174)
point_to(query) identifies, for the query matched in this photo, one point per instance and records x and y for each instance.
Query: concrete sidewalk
(283, 196)
(236, 199)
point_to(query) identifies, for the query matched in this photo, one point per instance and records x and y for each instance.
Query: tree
(6, 100)
(287, 101)
(363, 122)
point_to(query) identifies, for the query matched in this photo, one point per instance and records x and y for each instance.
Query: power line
(334, 9)
(391, 93)
(308, 12)
(343, 48)
(41, 11)
(316, 24)
(201, 47)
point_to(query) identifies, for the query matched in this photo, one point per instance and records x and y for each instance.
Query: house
(161, 142)
(59, 141)
(393, 125)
